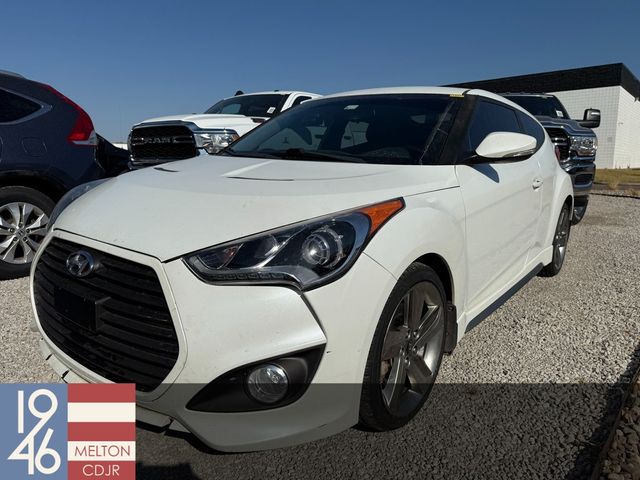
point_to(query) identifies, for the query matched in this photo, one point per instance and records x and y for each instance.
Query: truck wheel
(406, 351)
(578, 214)
(24, 215)
(560, 241)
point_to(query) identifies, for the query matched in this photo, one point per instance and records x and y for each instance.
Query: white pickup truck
(175, 137)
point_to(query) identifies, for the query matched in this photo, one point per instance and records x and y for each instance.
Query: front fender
(431, 223)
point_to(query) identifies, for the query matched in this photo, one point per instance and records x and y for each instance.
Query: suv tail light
(556, 149)
(82, 132)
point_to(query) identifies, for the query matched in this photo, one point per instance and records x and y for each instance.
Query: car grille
(131, 338)
(561, 140)
(162, 143)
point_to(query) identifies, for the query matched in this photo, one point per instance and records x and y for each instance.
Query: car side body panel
(38, 143)
(498, 242)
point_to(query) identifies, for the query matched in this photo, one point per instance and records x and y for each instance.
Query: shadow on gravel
(509, 430)
(588, 464)
(177, 472)
(192, 440)
(479, 431)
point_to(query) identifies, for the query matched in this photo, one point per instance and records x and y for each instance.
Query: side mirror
(591, 118)
(504, 147)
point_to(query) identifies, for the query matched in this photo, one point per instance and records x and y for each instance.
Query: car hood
(168, 211)
(208, 120)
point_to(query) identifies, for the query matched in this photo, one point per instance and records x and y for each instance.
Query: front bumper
(221, 328)
(582, 171)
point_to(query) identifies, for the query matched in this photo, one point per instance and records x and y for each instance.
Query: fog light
(268, 383)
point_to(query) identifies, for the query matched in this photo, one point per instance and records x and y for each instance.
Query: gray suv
(47, 146)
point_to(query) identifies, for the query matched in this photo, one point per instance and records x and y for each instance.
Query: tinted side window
(540, 105)
(231, 108)
(488, 118)
(299, 100)
(14, 107)
(531, 127)
(266, 105)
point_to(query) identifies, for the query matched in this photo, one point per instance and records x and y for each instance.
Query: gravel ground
(523, 396)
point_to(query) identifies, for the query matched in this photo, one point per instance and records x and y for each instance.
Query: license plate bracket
(81, 311)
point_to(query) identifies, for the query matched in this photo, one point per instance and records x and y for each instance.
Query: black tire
(376, 411)
(9, 195)
(560, 242)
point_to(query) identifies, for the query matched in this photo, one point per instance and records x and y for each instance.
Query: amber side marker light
(381, 212)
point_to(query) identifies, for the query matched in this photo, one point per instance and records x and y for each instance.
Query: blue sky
(127, 61)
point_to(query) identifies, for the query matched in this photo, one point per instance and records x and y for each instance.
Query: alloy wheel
(412, 348)
(22, 229)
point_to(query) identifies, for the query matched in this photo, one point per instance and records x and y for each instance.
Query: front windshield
(542, 106)
(406, 129)
(250, 105)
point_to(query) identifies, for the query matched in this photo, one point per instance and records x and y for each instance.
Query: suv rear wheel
(24, 215)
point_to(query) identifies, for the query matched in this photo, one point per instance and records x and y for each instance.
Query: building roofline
(609, 75)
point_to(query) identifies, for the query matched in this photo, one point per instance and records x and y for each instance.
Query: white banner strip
(102, 451)
(101, 412)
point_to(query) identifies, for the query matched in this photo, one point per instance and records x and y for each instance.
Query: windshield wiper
(301, 153)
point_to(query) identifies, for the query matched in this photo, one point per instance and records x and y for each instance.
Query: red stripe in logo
(102, 392)
(102, 432)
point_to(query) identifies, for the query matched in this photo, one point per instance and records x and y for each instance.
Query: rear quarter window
(487, 118)
(533, 128)
(15, 107)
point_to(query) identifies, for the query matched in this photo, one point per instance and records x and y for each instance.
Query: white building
(611, 88)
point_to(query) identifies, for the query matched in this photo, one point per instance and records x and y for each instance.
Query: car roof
(401, 90)
(277, 92)
(525, 94)
(428, 91)
(12, 74)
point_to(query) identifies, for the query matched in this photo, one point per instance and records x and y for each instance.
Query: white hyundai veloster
(312, 275)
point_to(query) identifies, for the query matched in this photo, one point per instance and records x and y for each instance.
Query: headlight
(584, 146)
(69, 197)
(214, 140)
(305, 255)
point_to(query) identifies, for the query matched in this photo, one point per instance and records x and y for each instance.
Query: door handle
(537, 183)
